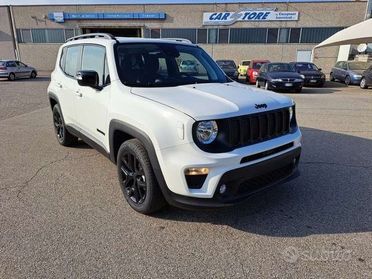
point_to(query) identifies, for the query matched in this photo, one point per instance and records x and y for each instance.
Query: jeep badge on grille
(258, 106)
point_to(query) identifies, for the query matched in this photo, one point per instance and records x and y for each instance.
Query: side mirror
(320, 69)
(88, 78)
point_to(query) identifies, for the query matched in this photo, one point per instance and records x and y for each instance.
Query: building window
(55, 36)
(38, 35)
(247, 35)
(26, 36)
(202, 36)
(223, 36)
(184, 33)
(155, 33)
(212, 36)
(283, 35)
(294, 36)
(317, 35)
(272, 35)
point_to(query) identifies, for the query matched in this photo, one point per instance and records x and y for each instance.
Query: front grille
(288, 79)
(250, 129)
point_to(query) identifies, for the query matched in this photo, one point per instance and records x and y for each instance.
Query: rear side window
(72, 60)
(94, 59)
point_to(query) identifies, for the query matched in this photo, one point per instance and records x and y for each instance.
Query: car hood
(284, 75)
(214, 100)
(357, 72)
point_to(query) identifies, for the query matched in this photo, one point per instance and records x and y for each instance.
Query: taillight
(2, 68)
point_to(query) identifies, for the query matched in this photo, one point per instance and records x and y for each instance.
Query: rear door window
(72, 60)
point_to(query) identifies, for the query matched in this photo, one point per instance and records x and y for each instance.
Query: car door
(66, 82)
(91, 104)
(22, 70)
(343, 71)
(336, 70)
(11, 67)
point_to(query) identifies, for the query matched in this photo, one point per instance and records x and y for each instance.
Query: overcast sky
(82, 2)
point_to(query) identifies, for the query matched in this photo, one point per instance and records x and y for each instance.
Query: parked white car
(184, 139)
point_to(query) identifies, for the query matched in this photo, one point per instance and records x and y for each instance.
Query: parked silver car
(13, 69)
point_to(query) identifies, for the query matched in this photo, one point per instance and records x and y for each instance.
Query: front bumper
(309, 81)
(286, 86)
(355, 79)
(244, 182)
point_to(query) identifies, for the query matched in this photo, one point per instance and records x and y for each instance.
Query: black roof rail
(93, 35)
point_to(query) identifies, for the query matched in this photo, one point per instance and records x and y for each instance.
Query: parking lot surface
(62, 213)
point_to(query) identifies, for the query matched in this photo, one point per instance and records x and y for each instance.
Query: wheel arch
(119, 132)
(53, 100)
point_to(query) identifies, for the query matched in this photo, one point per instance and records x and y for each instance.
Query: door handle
(78, 93)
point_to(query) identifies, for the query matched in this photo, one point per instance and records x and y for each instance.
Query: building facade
(278, 31)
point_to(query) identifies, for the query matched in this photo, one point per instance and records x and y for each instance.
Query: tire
(331, 77)
(33, 75)
(258, 84)
(11, 77)
(267, 86)
(347, 80)
(63, 136)
(137, 179)
(363, 83)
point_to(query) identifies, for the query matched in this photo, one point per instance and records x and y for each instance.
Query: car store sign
(228, 18)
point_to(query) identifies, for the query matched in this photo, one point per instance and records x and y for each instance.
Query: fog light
(196, 171)
(223, 188)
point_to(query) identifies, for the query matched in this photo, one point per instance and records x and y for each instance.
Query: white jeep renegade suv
(186, 138)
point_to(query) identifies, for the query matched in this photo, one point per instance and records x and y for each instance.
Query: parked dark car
(229, 67)
(313, 75)
(12, 69)
(280, 76)
(366, 78)
(349, 72)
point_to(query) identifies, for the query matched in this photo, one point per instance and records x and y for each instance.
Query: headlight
(206, 131)
(255, 74)
(357, 76)
(298, 80)
(276, 80)
(290, 114)
(302, 76)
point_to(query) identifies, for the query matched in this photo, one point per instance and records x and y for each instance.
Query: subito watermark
(292, 254)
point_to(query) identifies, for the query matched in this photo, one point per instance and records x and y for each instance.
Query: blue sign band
(125, 16)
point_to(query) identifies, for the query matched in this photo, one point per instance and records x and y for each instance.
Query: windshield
(359, 66)
(246, 63)
(257, 65)
(306, 67)
(226, 64)
(280, 67)
(165, 64)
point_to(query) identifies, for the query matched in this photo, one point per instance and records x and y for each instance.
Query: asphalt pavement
(62, 213)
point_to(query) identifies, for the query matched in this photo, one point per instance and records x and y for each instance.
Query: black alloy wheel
(137, 178)
(133, 178)
(63, 135)
(58, 125)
